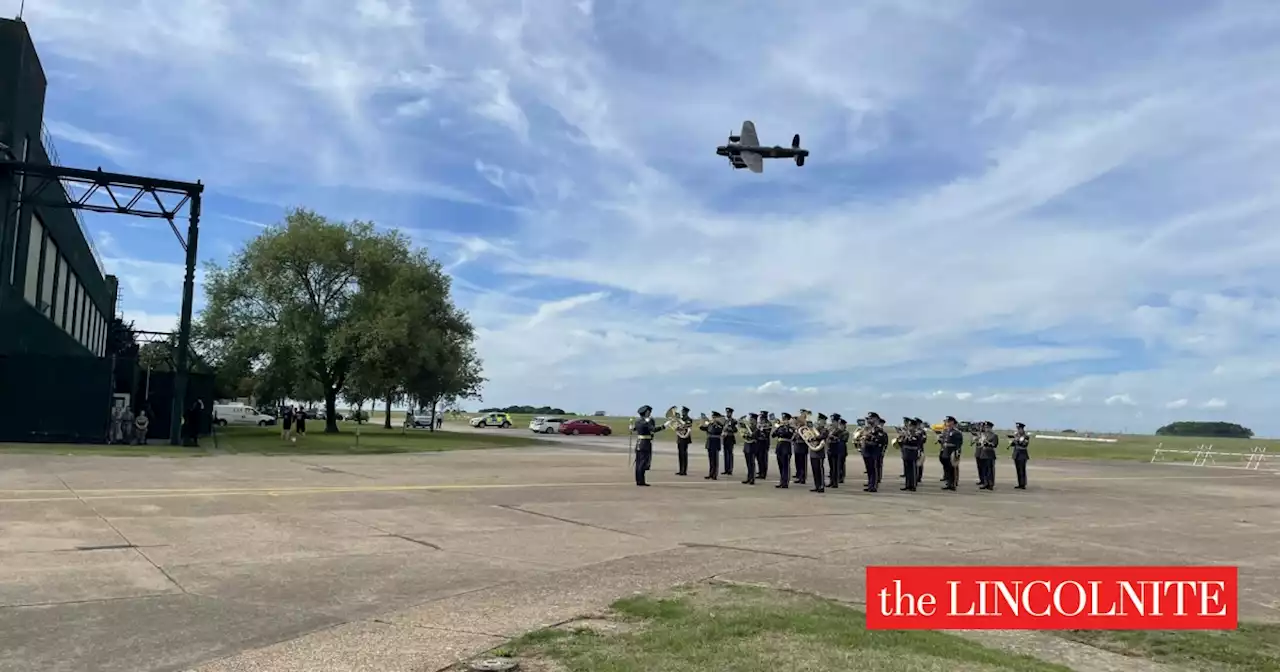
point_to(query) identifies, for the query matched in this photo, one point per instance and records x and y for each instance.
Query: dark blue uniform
(1020, 443)
(729, 441)
(875, 441)
(782, 451)
(645, 428)
(837, 450)
(952, 441)
(817, 457)
(909, 442)
(684, 436)
(714, 432)
(750, 438)
(987, 442)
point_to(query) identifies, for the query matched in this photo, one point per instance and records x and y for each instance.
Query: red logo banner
(1051, 598)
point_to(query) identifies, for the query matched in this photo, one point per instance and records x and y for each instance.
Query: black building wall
(55, 301)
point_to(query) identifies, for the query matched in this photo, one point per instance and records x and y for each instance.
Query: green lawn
(736, 629)
(1252, 648)
(267, 441)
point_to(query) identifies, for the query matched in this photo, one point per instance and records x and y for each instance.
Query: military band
(821, 448)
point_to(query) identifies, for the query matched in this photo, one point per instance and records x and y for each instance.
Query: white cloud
(102, 143)
(697, 392)
(776, 388)
(1214, 403)
(1023, 176)
(1177, 403)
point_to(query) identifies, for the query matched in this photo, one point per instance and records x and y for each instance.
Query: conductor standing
(645, 429)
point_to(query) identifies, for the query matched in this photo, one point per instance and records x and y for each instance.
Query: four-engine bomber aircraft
(744, 150)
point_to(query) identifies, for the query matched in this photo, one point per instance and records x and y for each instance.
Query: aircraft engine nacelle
(735, 138)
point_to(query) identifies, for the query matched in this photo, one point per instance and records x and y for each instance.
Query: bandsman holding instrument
(922, 440)
(644, 428)
(951, 441)
(799, 450)
(684, 437)
(749, 430)
(763, 433)
(1020, 443)
(714, 427)
(729, 440)
(837, 446)
(906, 441)
(988, 441)
(817, 444)
(875, 441)
(783, 431)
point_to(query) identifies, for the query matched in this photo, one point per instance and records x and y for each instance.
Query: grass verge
(1254, 647)
(713, 627)
(267, 441)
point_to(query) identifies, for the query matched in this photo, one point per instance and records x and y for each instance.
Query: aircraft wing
(748, 136)
(754, 161)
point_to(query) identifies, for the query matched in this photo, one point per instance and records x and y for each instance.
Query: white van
(239, 414)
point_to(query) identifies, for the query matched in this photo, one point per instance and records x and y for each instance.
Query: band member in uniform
(784, 433)
(749, 435)
(684, 437)
(818, 455)
(910, 453)
(922, 439)
(988, 441)
(1020, 443)
(714, 429)
(875, 441)
(800, 451)
(952, 441)
(645, 428)
(837, 444)
(729, 440)
(763, 432)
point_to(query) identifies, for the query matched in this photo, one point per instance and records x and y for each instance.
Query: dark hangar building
(55, 298)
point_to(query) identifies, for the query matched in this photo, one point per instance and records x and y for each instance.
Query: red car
(581, 426)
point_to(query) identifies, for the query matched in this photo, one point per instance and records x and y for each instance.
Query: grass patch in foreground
(1254, 647)
(267, 441)
(738, 629)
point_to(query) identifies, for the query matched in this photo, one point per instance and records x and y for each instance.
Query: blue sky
(1061, 213)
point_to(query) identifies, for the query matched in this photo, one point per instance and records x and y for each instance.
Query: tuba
(812, 439)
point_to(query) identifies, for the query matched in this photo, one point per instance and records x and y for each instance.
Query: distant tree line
(1228, 430)
(527, 410)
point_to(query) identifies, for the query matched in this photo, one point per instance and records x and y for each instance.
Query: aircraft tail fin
(800, 160)
(795, 142)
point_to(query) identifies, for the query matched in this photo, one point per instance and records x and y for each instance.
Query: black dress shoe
(1019, 487)
(784, 486)
(905, 488)
(642, 485)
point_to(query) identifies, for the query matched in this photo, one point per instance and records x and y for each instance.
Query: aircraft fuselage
(774, 152)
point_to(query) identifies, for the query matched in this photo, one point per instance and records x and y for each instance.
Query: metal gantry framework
(50, 186)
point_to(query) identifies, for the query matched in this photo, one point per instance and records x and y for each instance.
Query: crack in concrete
(513, 507)
(386, 533)
(783, 554)
(136, 549)
(95, 600)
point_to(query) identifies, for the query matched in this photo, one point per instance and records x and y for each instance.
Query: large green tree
(419, 343)
(293, 294)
